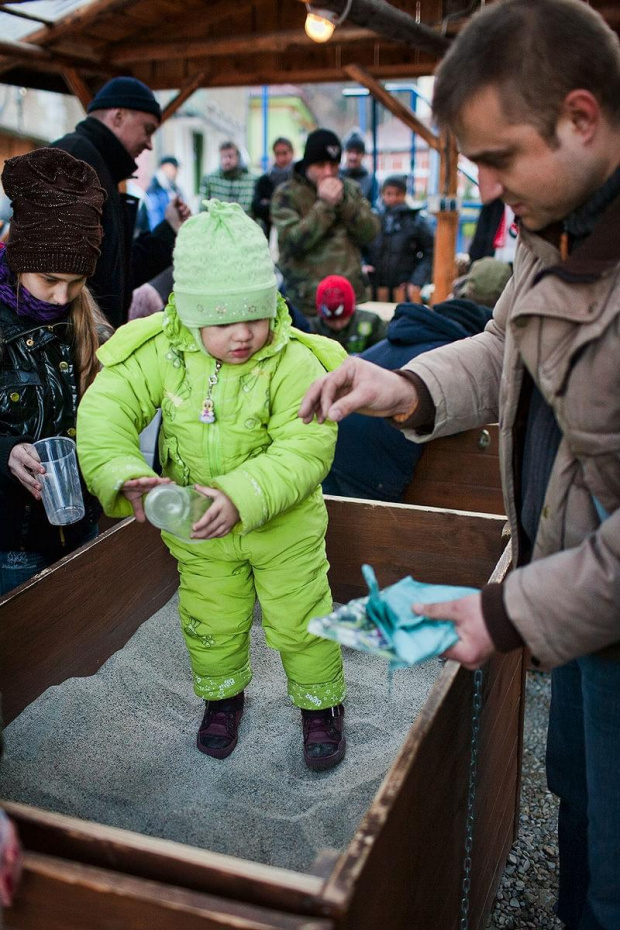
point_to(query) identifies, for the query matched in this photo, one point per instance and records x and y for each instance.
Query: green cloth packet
(384, 624)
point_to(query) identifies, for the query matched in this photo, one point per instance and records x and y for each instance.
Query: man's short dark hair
(282, 140)
(534, 52)
(229, 144)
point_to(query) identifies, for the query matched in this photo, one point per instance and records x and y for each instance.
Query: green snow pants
(283, 565)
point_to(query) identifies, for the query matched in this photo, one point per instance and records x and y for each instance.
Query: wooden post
(77, 85)
(447, 220)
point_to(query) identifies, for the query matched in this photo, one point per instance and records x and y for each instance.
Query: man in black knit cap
(122, 118)
(322, 222)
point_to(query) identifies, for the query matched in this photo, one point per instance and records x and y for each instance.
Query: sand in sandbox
(119, 748)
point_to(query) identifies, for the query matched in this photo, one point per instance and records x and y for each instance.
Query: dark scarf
(582, 221)
(22, 302)
(280, 175)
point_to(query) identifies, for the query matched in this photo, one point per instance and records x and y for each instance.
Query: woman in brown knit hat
(50, 329)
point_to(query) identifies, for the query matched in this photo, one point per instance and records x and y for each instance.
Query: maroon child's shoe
(219, 731)
(324, 740)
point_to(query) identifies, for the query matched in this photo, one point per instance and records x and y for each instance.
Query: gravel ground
(528, 888)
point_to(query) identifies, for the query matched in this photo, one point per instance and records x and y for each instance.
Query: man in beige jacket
(532, 91)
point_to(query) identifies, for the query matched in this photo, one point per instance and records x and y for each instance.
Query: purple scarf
(23, 303)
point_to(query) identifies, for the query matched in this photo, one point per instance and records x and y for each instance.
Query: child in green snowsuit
(229, 372)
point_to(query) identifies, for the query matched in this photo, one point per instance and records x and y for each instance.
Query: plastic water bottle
(175, 509)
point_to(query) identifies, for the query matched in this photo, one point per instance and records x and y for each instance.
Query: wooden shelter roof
(171, 43)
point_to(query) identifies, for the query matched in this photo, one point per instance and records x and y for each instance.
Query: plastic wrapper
(384, 624)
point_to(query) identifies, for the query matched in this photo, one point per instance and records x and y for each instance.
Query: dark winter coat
(373, 459)
(38, 399)
(263, 192)
(403, 250)
(125, 262)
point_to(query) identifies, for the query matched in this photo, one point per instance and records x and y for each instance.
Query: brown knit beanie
(56, 223)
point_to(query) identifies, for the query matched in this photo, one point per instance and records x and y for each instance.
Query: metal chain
(471, 797)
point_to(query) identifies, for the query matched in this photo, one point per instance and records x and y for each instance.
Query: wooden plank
(164, 860)
(74, 622)
(87, 897)
(396, 539)
(130, 53)
(460, 471)
(78, 20)
(288, 67)
(412, 839)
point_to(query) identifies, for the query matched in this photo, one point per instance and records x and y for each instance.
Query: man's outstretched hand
(357, 386)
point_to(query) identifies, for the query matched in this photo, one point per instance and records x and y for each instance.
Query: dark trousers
(583, 770)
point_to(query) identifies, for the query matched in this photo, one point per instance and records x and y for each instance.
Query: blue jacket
(373, 459)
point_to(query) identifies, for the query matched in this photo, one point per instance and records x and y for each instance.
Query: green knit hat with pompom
(223, 271)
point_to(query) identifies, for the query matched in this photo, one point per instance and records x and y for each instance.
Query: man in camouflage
(322, 221)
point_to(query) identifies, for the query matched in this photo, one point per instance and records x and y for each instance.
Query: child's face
(392, 196)
(235, 343)
(337, 323)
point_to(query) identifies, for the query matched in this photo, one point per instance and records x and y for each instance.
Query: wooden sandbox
(403, 868)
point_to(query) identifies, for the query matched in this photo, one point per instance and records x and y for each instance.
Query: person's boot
(324, 740)
(219, 731)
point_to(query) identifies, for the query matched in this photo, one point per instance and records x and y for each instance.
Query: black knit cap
(355, 143)
(126, 92)
(56, 224)
(322, 145)
(397, 181)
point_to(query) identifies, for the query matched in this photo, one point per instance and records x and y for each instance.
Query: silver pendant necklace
(207, 414)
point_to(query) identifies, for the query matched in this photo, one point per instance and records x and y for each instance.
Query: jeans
(17, 566)
(583, 770)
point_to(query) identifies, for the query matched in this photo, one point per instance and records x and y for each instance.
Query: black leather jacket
(38, 398)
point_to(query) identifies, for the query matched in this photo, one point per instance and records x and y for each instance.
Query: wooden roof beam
(23, 51)
(387, 21)
(20, 53)
(77, 85)
(400, 110)
(186, 91)
(133, 53)
(79, 20)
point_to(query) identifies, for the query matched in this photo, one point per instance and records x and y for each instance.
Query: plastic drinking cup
(61, 490)
(175, 509)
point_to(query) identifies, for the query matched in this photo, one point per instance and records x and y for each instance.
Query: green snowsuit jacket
(261, 455)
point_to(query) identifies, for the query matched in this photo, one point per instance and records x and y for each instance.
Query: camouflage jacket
(316, 239)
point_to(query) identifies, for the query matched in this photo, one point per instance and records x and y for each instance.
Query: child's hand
(134, 489)
(219, 518)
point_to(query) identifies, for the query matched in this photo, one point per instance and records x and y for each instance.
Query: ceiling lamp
(320, 24)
